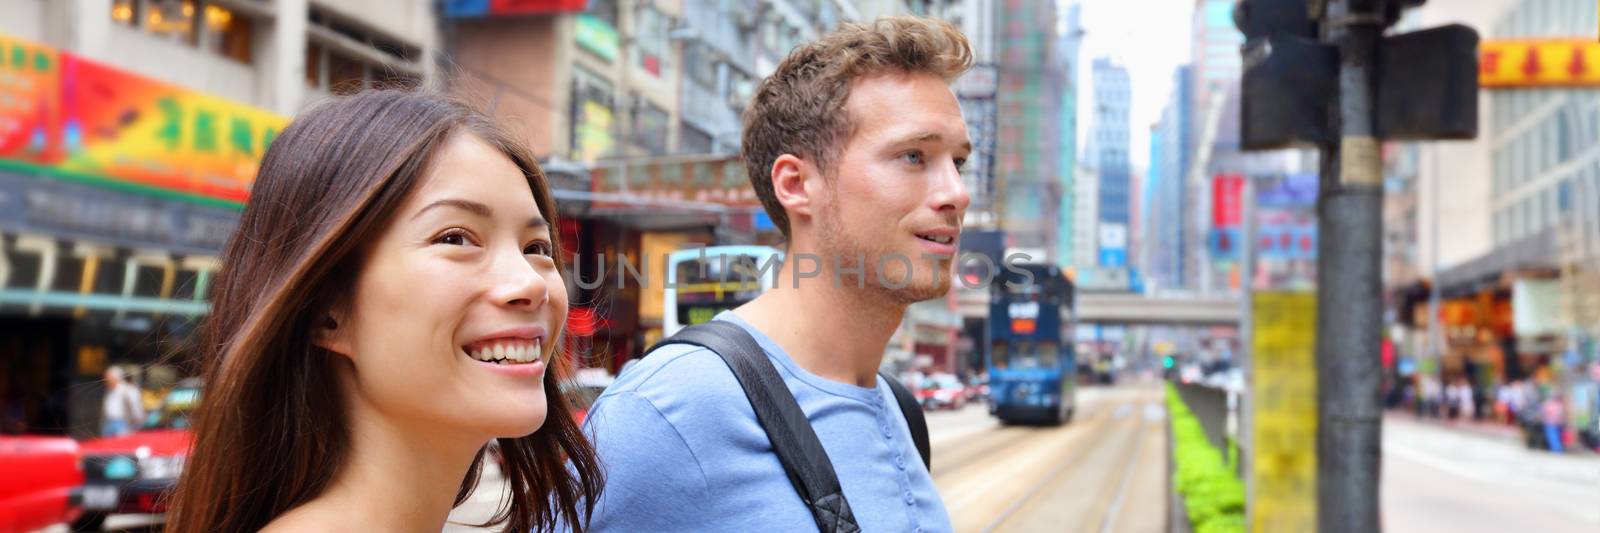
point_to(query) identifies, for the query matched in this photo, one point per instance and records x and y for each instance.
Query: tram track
(1118, 437)
(1069, 478)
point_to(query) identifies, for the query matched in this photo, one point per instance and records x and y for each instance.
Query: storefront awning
(1534, 254)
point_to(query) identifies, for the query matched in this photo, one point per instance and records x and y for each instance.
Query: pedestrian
(1555, 420)
(854, 146)
(391, 301)
(1466, 405)
(122, 408)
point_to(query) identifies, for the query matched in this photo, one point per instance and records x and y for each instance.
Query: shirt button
(910, 500)
(900, 461)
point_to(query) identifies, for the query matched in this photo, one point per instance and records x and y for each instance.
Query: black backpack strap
(793, 440)
(914, 419)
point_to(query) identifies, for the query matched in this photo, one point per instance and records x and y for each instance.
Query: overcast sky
(1151, 39)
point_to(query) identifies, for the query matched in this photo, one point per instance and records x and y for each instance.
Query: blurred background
(1110, 148)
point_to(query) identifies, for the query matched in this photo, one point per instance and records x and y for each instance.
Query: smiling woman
(389, 303)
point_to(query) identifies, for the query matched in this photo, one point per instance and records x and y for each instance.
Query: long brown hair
(272, 430)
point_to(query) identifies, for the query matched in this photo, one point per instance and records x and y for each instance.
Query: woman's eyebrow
(478, 209)
(470, 206)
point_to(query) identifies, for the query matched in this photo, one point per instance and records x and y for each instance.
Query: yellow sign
(1539, 63)
(1284, 442)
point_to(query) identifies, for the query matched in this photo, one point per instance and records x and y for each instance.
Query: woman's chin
(510, 425)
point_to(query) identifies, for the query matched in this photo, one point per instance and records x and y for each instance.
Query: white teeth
(521, 351)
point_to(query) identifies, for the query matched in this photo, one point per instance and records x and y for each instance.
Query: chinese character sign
(70, 117)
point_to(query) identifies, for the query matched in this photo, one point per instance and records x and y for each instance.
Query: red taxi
(134, 473)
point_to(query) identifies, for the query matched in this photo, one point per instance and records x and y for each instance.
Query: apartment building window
(650, 124)
(343, 57)
(652, 28)
(605, 10)
(199, 23)
(1564, 197)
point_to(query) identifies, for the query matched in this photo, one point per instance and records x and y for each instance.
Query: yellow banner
(1284, 440)
(1539, 63)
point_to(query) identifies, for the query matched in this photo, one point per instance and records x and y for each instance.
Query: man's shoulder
(681, 381)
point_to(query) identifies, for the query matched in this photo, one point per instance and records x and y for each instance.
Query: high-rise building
(1067, 46)
(1167, 213)
(1028, 101)
(1108, 152)
(1216, 59)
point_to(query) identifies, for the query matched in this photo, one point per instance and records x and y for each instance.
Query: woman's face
(456, 310)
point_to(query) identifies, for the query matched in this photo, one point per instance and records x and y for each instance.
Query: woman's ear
(332, 332)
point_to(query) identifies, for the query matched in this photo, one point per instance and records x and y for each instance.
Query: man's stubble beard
(840, 248)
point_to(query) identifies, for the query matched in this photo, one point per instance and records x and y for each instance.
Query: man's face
(896, 195)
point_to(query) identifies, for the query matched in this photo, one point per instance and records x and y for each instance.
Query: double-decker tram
(1029, 350)
(702, 282)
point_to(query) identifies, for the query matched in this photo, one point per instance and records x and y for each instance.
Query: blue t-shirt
(682, 450)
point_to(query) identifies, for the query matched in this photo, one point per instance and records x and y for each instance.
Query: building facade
(133, 129)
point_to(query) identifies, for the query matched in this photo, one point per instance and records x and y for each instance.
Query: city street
(1103, 472)
(1442, 479)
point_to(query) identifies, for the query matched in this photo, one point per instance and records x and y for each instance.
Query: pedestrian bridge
(1135, 309)
(1182, 310)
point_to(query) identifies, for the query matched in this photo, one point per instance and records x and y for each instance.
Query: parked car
(942, 391)
(134, 473)
(40, 483)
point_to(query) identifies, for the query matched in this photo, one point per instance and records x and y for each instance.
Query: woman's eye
(453, 238)
(914, 157)
(538, 248)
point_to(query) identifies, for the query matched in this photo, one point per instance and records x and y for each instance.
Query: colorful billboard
(1539, 63)
(71, 118)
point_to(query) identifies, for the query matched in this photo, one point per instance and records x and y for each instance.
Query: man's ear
(333, 332)
(792, 185)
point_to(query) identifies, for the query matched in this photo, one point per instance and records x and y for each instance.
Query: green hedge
(1212, 494)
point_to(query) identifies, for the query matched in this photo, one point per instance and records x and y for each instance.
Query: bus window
(1049, 355)
(706, 288)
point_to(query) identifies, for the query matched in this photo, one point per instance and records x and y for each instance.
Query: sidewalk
(1439, 477)
(1487, 429)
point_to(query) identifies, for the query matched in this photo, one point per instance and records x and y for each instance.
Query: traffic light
(1289, 77)
(1427, 81)
(1167, 362)
(1274, 18)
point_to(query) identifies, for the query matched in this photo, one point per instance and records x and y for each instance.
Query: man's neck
(838, 333)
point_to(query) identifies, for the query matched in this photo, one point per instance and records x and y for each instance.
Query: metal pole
(1349, 303)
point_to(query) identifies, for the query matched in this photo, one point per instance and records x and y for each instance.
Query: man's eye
(914, 157)
(961, 164)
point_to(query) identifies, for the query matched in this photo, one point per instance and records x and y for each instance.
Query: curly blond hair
(800, 108)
